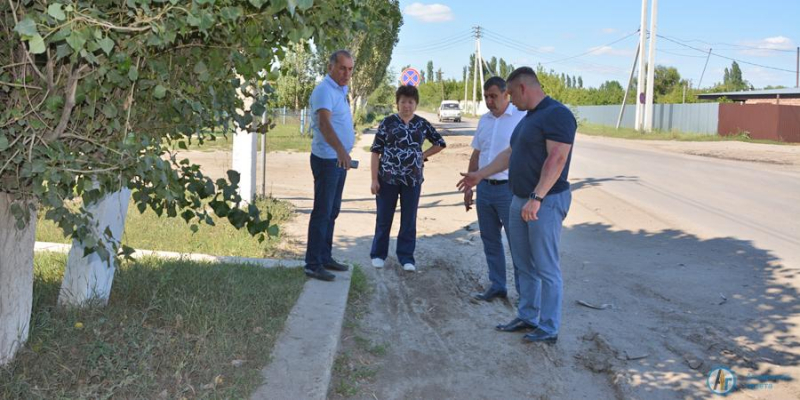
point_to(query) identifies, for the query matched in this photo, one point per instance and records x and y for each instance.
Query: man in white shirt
(494, 194)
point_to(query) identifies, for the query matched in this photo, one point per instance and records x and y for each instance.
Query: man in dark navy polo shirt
(538, 162)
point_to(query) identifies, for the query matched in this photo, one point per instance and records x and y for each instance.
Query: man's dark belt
(495, 182)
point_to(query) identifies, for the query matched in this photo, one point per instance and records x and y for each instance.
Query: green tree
(665, 80)
(384, 94)
(432, 93)
(503, 69)
(429, 71)
(609, 92)
(733, 80)
(471, 66)
(372, 48)
(93, 94)
(493, 65)
(293, 87)
(580, 82)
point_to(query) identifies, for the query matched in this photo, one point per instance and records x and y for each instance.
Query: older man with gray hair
(333, 138)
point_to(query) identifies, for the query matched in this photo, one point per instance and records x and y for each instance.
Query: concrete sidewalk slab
(262, 262)
(303, 356)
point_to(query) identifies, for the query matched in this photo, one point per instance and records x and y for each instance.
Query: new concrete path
(263, 262)
(304, 353)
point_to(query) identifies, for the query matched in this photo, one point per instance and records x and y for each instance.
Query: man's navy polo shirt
(550, 120)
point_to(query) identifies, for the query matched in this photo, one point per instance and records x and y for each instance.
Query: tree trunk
(16, 279)
(88, 279)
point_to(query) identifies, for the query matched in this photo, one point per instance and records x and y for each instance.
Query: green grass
(627, 133)
(170, 330)
(355, 366)
(281, 138)
(359, 287)
(150, 232)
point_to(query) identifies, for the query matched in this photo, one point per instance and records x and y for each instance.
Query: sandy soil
(680, 304)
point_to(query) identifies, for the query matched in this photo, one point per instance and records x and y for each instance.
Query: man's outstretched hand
(469, 181)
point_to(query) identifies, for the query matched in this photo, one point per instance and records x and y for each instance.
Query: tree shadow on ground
(681, 306)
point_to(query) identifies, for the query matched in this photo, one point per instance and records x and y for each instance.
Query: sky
(597, 41)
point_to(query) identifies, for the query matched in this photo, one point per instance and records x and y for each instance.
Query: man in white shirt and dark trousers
(494, 194)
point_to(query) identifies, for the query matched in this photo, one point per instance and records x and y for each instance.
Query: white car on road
(449, 110)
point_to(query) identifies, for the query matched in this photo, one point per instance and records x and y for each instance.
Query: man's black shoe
(515, 325)
(540, 336)
(490, 295)
(336, 266)
(319, 273)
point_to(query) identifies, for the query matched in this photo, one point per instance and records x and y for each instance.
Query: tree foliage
(733, 80)
(297, 78)
(503, 68)
(371, 45)
(92, 93)
(429, 70)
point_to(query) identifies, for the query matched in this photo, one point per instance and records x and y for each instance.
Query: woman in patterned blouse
(397, 163)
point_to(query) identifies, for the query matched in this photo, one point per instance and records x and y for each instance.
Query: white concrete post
(88, 279)
(16, 279)
(244, 157)
(651, 67)
(637, 124)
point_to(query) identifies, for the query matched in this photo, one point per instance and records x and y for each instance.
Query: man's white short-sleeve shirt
(493, 136)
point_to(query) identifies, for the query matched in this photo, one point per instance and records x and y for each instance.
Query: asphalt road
(708, 197)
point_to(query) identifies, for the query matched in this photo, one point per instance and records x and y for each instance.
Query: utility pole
(477, 70)
(704, 68)
(441, 82)
(465, 87)
(637, 124)
(651, 69)
(797, 73)
(684, 93)
(480, 61)
(625, 97)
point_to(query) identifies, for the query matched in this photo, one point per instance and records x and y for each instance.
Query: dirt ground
(659, 338)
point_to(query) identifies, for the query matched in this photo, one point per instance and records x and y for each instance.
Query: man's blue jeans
(328, 186)
(407, 237)
(534, 248)
(493, 204)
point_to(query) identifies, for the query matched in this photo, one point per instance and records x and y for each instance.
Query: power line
(678, 54)
(539, 53)
(595, 48)
(458, 36)
(721, 56)
(441, 47)
(733, 46)
(511, 40)
(525, 48)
